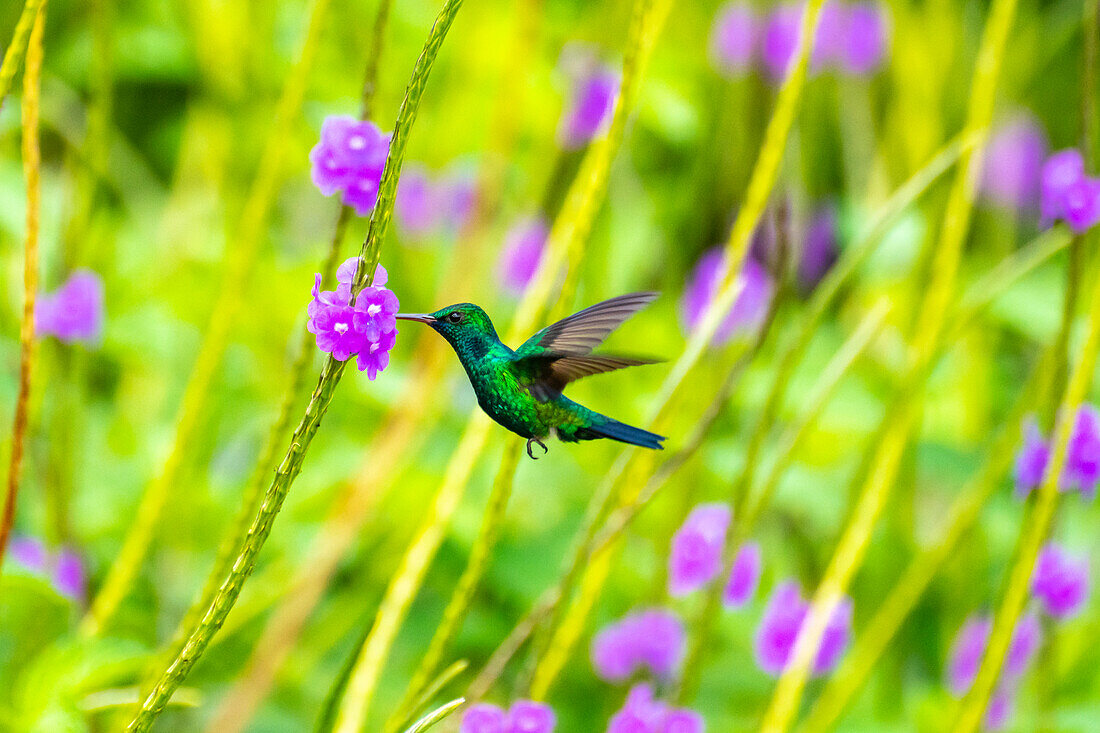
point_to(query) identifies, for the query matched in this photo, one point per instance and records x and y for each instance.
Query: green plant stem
(32, 161)
(459, 604)
(567, 235)
(912, 583)
(240, 262)
(13, 56)
(883, 468)
(254, 489)
(436, 716)
(331, 372)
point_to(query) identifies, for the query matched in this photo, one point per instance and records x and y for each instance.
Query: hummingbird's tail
(623, 433)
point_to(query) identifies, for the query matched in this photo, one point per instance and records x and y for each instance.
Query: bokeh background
(158, 119)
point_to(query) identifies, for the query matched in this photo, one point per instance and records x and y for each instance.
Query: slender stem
(331, 373)
(13, 56)
(458, 606)
(912, 583)
(436, 716)
(242, 256)
(854, 541)
(254, 490)
(32, 161)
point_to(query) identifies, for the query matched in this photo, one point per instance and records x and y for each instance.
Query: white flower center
(340, 328)
(374, 309)
(357, 142)
(374, 347)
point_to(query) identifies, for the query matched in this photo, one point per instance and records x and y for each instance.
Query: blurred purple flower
(368, 329)
(349, 158)
(73, 312)
(427, 204)
(592, 98)
(642, 714)
(1013, 164)
(819, 247)
(653, 638)
(1068, 193)
(484, 718)
(830, 37)
(733, 38)
(747, 311)
(865, 38)
(967, 650)
(744, 576)
(1060, 581)
(782, 622)
(999, 710)
(522, 251)
(526, 716)
(696, 555)
(781, 39)
(1082, 465)
(64, 570)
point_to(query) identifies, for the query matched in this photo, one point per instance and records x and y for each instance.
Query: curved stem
(240, 262)
(331, 373)
(32, 161)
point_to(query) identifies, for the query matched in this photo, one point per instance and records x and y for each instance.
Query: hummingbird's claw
(542, 445)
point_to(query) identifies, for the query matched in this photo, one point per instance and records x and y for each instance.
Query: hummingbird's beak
(421, 317)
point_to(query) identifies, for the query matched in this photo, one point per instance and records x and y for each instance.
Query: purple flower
(744, 576)
(696, 555)
(999, 710)
(427, 204)
(1082, 466)
(592, 99)
(1060, 581)
(782, 622)
(747, 311)
(73, 312)
(369, 328)
(1081, 204)
(1060, 171)
(350, 157)
(819, 249)
(1013, 164)
(523, 247)
(484, 718)
(967, 650)
(652, 638)
(64, 570)
(526, 716)
(733, 39)
(781, 39)
(460, 198)
(642, 714)
(865, 39)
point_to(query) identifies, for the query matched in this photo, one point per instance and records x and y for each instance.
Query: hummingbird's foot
(542, 445)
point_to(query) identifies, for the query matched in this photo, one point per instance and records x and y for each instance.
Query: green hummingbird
(522, 389)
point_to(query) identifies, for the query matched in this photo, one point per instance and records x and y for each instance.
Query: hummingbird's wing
(581, 332)
(561, 352)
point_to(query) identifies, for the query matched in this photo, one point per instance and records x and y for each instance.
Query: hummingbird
(522, 389)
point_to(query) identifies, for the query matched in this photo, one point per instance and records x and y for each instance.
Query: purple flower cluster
(1060, 581)
(522, 252)
(696, 557)
(653, 639)
(782, 622)
(1082, 466)
(524, 716)
(643, 714)
(350, 158)
(73, 312)
(428, 204)
(1068, 193)
(966, 654)
(64, 569)
(369, 328)
(747, 311)
(815, 240)
(595, 86)
(851, 38)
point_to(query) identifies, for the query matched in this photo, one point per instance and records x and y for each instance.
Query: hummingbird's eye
(455, 317)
